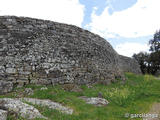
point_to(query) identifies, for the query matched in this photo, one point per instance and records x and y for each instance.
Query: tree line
(150, 62)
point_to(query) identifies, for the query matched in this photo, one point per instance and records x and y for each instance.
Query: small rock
(100, 95)
(29, 91)
(68, 87)
(72, 88)
(95, 101)
(44, 88)
(3, 115)
(76, 89)
(89, 86)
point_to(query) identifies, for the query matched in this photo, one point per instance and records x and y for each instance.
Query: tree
(155, 42)
(155, 52)
(150, 62)
(143, 60)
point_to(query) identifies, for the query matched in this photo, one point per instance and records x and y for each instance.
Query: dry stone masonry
(5, 86)
(129, 65)
(45, 52)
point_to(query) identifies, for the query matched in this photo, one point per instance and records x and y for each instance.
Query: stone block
(5, 87)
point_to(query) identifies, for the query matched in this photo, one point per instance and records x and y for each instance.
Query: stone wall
(128, 64)
(45, 52)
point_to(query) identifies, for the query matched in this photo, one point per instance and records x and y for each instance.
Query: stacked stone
(128, 64)
(45, 52)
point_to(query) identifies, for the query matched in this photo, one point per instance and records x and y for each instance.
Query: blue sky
(131, 44)
(117, 5)
(127, 24)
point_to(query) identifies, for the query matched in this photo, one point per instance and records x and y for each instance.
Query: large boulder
(21, 109)
(53, 53)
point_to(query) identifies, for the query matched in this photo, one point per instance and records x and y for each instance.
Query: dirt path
(154, 111)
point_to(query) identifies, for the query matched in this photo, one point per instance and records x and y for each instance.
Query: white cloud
(142, 19)
(128, 49)
(65, 11)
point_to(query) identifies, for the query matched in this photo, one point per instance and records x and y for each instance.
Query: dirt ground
(154, 111)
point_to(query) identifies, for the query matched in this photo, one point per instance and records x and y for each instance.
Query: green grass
(134, 96)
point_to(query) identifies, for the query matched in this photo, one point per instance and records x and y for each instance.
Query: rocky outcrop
(45, 52)
(128, 64)
(20, 108)
(48, 103)
(3, 115)
(95, 101)
(5, 87)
